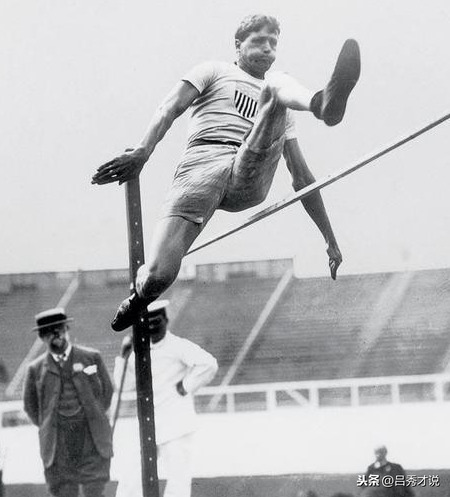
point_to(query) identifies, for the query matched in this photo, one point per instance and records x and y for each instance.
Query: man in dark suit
(67, 393)
(388, 478)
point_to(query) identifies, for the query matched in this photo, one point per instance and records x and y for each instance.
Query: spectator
(67, 393)
(382, 468)
(179, 369)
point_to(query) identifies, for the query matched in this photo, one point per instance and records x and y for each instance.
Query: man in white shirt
(240, 126)
(179, 369)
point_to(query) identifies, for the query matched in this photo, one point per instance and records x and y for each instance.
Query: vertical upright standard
(141, 343)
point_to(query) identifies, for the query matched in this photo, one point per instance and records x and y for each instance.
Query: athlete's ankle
(315, 105)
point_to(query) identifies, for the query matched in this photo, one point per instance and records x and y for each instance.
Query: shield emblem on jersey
(245, 105)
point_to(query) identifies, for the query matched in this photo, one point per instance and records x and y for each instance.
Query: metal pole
(319, 184)
(141, 344)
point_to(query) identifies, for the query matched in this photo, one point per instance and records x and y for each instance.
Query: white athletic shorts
(220, 176)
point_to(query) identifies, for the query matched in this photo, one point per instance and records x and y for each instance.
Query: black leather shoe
(128, 312)
(329, 104)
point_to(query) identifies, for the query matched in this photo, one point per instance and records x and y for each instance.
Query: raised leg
(330, 103)
(283, 91)
(171, 240)
(257, 159)
(289, 92)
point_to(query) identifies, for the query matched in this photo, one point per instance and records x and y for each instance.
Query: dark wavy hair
(254, 23)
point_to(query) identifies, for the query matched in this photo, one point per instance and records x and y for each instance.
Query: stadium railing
(351, 392)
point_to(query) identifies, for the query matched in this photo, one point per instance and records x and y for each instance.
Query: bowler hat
(51, 317)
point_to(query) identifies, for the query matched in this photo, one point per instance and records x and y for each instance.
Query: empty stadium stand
(417, 337)
(320, 328)
(369, 325)
(21, 297)
(221, 313)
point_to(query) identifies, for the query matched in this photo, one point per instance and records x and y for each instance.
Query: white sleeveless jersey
(228, 103)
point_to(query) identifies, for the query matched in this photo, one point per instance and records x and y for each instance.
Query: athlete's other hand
(123, 168)
(335, 258)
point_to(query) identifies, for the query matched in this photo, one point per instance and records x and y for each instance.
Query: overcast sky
(80, 80)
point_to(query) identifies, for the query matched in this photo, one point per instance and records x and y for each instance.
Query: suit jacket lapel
(51, 365)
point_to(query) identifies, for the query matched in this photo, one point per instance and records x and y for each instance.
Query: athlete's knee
(277, 80)
(269, 102)
(276, 83)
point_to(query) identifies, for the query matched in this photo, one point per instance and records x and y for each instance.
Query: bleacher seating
(92, 308)
(417, 338)
(18, 306)
(313, 331)
(220, 314)
(316, 331)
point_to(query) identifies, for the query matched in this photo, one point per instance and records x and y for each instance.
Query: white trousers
(176, 458)
(174, 465)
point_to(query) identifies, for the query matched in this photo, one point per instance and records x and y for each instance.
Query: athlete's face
(257, 52)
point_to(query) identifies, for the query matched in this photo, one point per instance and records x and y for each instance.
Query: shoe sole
(119, 325)
(344, 78)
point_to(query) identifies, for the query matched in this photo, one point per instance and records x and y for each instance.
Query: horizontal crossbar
(322, 183)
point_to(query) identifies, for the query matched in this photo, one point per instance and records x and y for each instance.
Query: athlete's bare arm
(313, 204)
(128, 165)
